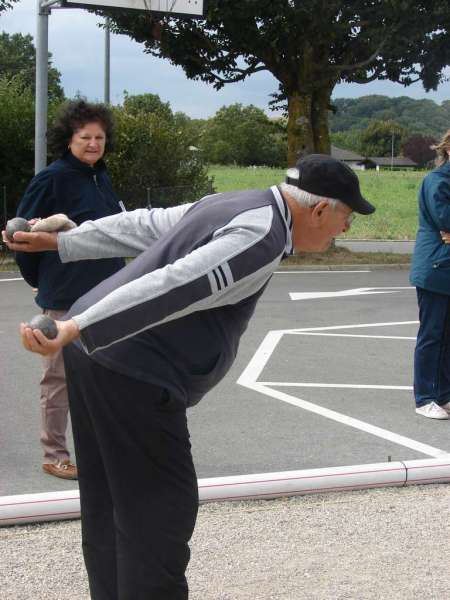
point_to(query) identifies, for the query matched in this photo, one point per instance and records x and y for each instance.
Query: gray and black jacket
(174, 316)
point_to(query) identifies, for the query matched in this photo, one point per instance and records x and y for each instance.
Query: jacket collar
(286, 216)
(445, 168)
(81, 166)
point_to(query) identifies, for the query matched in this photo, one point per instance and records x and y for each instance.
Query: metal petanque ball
(45, 324)
(16, 224)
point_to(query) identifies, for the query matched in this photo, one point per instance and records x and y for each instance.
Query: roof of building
(382, 161)
(396, 161)
(341, 154)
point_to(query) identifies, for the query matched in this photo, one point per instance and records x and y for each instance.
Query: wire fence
(163, 197)
(139, 197)
(6, 257)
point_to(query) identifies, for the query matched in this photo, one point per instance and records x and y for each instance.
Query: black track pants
(138, 487)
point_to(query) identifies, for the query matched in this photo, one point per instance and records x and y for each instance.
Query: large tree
(378, 137)
(6, 4)
(243, 135)
(147, 103)
(308, 45)
(419, 149)
(18, 59)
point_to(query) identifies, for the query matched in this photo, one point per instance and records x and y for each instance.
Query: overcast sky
(77, 46)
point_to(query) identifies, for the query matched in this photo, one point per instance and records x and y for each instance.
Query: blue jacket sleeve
(38, 201)
(438, 204)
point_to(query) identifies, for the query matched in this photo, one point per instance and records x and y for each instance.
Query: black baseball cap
(326, 176)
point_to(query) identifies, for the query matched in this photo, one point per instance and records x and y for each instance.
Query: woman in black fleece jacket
(78, 185)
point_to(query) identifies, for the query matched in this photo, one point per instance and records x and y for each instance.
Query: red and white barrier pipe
(53, 506)
(32, 508)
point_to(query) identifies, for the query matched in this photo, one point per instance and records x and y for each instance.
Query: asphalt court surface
(323, 378)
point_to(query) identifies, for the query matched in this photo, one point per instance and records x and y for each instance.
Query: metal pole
(107, 63)
(392, 151)
(48, 3)
(41, 108)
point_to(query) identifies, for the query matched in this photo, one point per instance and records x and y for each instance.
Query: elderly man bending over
(151, 340)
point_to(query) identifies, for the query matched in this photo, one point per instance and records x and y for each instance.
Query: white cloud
(77, 45)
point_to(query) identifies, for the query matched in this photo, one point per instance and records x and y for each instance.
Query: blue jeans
(432, 353)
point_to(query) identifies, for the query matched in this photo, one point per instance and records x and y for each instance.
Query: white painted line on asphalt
(15, 279)
(256, 365)
(336, 294)
(355, 335)
(323, 272)
(356, 386)
(343, 293)
(349, 421)
(358, 326)
(267, 347)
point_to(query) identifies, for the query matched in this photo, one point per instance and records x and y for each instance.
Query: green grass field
(394, 193)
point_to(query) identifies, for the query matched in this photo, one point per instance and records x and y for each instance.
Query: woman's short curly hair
(442, 149)
(72, 116)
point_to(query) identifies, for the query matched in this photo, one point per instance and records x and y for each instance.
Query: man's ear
(319, 212)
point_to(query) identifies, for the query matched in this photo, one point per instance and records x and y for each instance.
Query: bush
(16, 140)
(153, 152)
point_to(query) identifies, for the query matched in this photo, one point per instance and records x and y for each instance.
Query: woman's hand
(445, 235)
(32, 242)
(34, 340)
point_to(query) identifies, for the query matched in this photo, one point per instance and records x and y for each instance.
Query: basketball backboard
(184, 8)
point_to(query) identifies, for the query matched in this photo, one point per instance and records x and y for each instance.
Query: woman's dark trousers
(138, 488)
(432, 354)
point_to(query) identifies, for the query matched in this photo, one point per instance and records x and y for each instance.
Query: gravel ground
(388, 543)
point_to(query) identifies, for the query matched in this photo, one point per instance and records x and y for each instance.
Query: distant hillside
(417, 116)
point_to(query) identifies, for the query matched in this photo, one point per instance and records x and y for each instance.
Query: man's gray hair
(300, 196)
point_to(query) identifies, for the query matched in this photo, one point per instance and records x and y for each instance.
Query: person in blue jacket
(78, 185)
(430, 274)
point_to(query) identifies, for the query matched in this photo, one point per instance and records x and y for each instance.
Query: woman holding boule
(75, 184)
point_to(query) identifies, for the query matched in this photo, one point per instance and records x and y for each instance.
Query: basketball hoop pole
(41, 107)
(107, 62)
(41, 95)
(48, 3)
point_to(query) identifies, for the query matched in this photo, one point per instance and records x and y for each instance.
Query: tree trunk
(321, 106)
(299, 127)
(307, 127)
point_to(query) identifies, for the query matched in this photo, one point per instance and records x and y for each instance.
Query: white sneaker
(446, 407)
(433, 411)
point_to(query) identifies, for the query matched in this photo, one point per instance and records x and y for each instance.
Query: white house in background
(353, 160)
(361, 163)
